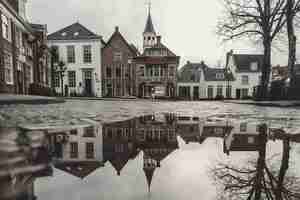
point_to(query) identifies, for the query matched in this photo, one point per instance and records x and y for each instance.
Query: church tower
(149, 168)
(149, 35)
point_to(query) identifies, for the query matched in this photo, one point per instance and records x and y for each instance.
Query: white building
(237, 80)
(80, 50)
(246, 68)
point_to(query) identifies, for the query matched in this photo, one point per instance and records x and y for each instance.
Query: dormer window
(254, 66)
(64, 34)
(219, 76)
(76, 34)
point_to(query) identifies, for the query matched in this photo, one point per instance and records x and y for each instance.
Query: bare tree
(259, 20)
(258, 181)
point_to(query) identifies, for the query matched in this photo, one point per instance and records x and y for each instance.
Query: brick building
(118, 70)
(156, 68)
(17, 47)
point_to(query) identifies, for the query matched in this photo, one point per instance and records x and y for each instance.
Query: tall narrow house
(156, 68)
(118, 70)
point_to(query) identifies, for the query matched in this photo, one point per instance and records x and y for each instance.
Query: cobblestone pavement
(12, 115)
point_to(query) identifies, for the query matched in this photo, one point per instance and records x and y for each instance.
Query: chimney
(116, 29)
(158, 39)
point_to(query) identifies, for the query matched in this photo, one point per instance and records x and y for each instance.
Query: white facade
(87, 75)
(245, 88)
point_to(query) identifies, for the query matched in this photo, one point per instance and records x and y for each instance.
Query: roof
(243, 62)
(75, 31)
(190, 72)
(38, 26)
(80, 169)
(117, 33)
(210, 74)
(159, 46)
(149, 28)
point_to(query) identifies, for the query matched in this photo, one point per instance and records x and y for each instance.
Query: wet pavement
(149, 150)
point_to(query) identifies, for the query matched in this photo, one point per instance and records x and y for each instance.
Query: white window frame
(243, 80)
(5, 27)
(8, 67)
(87, 53)
(71, 58)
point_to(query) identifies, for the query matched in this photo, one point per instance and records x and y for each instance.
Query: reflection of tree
(257, 180)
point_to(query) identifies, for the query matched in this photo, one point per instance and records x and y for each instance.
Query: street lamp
(61, 68)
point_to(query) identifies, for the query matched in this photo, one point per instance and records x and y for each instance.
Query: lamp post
(61, 69)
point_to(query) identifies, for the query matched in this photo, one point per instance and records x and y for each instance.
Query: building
(16, 48)
(118, 70)
(80, 50)
(199, 81)
(156, 67)
(246, 68)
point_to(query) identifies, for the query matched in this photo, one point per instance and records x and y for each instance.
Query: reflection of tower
(149, 168)
(149, 35)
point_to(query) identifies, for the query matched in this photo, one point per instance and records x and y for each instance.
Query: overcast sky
(187, 27)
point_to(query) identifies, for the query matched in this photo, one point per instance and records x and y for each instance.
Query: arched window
(149, 38)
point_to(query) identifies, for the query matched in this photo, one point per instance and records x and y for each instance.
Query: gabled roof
(117, 34)
(80, 169)
(243, 62)
(159, 46)
(75, 31)
(210, 74)
(190, 72)
(149, 28)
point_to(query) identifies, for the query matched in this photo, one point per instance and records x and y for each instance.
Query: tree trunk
(283, 168)
(261, 162)
(292, 45)
(266, 70)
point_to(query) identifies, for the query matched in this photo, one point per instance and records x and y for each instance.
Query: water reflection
(81, 147)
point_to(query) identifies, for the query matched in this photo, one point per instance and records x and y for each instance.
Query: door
(88, 87)
(196, 93)
(238, 93)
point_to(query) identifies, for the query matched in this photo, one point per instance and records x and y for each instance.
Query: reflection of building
(81, 153)
(157, 139)
(243, 137)
(118, 70)
(21, 163)
(119, 143)
(80, 49)
(156, 67)
(189, 129)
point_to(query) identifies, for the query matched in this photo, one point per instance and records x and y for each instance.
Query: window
(73, 132)
(243, 127)
(108, 72)
(162, 71)
(72, 78)
(118, 72)
(210, 92)
(56, 54)
(142, 71)
(251, 140)
(245, 80)
(87, 54)
(156, 70)
(219, 76)
(172, 71)
(220, 90)
(5, 27)
(71, 54)
(87, 75)
(117, 56)
(8, 69)
(89, 150)
(56, 80)
(254, 66)
(74, 150)
(245, 92)
(89, 132)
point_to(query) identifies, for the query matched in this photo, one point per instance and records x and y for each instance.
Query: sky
(187, 27)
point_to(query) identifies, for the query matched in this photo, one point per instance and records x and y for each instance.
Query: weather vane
(149, 6)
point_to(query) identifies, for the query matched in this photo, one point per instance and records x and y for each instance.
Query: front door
(88, 87)
(238, 93)
(88, 83)
(196, 93)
